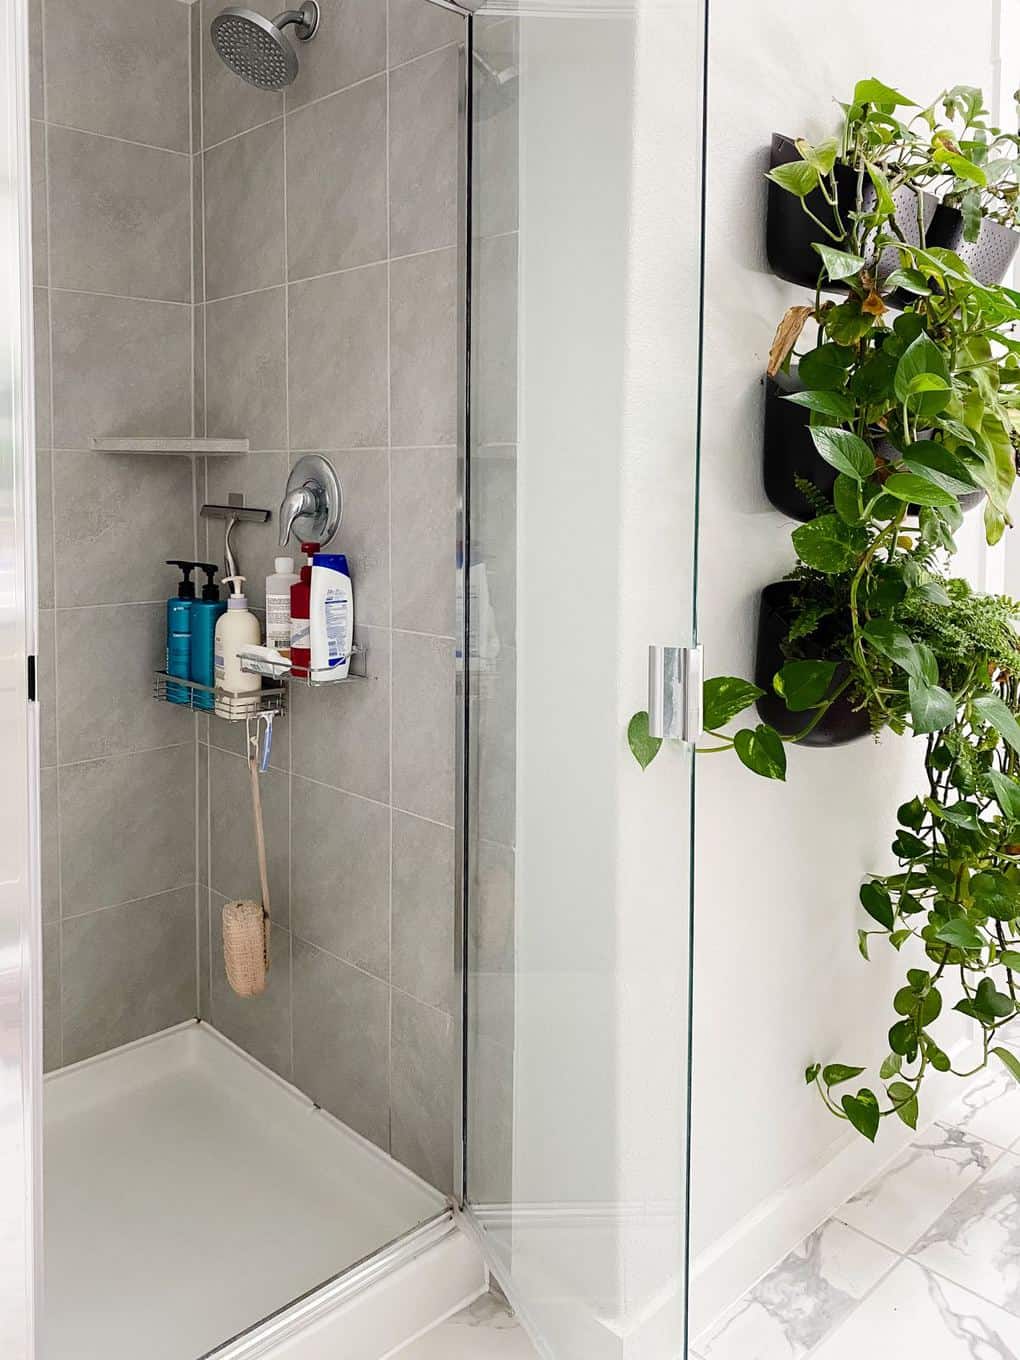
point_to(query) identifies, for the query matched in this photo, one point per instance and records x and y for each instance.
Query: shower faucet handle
(305, 500)
(313, 503)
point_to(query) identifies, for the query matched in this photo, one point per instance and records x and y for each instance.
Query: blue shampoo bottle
(204, 614)
(178, 632)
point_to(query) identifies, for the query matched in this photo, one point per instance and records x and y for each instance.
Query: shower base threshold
(190, 1193)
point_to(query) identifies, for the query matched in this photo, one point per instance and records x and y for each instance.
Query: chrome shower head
(254, 47)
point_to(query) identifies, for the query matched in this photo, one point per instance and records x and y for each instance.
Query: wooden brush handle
(260, 835)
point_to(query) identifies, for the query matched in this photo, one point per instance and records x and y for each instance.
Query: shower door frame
(20, 889)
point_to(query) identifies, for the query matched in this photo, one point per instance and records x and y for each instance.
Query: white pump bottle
(235, 629)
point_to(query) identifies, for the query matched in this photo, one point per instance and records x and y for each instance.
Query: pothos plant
(913, 410)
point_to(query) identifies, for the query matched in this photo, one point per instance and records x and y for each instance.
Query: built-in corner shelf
(196, 448)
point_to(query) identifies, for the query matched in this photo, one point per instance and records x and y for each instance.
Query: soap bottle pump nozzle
(210, 591)
(237, 599)
(185, 586)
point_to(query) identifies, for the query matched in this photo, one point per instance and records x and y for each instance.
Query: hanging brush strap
(260, 834)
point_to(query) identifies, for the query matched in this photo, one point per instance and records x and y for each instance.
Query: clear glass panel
(582, 489)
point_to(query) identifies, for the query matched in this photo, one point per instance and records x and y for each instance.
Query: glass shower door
(580, 503)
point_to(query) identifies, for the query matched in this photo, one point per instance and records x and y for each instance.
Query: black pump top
(210, 591)
(185, 586)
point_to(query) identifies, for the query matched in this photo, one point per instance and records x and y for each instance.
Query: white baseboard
(723, 1272)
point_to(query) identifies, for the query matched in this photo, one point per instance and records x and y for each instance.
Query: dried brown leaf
(786, 337)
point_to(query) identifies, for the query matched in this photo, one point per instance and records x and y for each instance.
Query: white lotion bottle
(278, 604)
(331, 616)
(235, 629)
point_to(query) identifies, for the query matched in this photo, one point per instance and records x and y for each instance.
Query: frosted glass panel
(582, 481)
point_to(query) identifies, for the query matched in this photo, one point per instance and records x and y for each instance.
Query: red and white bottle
(300, 617)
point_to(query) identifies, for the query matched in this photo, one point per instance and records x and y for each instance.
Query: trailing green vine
(914, 409)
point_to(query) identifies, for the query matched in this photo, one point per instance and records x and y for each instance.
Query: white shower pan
(190, 1193)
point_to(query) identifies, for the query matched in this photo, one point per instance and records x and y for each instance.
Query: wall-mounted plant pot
(790, 453)
(841, 723)
(789, 231)
(989, 257)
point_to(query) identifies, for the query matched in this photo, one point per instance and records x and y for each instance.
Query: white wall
(778, 978)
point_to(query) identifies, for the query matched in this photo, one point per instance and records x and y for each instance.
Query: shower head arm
(305, 21)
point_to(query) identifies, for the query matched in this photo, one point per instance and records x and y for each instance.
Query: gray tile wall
(111, 147)
(328, 324)
(214, 259)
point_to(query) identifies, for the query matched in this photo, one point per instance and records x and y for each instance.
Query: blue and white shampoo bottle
(331, 615)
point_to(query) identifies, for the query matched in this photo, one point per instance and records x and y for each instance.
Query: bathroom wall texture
(328, 323)
(111, 148)
(214, 259)
(779, 982)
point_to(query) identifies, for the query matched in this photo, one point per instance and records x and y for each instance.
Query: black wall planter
(840, 723)
(989, 257)
(789, 453)
(789, 231)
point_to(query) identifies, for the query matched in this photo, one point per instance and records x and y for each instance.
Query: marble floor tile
(914, 1313)
(989, 1109)
(976, 1242)
(483, 1331)
(802, 1301)
(901, 1203)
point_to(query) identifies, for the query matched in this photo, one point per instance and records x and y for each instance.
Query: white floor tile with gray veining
(923, 1261)
(483, 1331)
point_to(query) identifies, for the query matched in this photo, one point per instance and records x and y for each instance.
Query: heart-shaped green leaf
(828, 544)
(862, 1112)
(724, 696)
(891, 640)
(961, 934)
(994, 712)
(797, 178)
(761, 750)
(874, 91)
(931, 707)
(995, 895)
(1007, 794)
(837, 263)
(804, 684)
(836, 1073)
(844, 451)
(936, 464)
(915, 490)
(1009, 1060)
(835, 405)
(877, 903)
(825, 367)
(644, 747)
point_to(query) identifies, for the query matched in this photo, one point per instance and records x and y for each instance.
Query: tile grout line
(290, 732)
(190, 34)
(287, 111)
(304, 278)
(123, 141)
(122, 297)
(205, 484)
(127, 902)
(389, 572)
